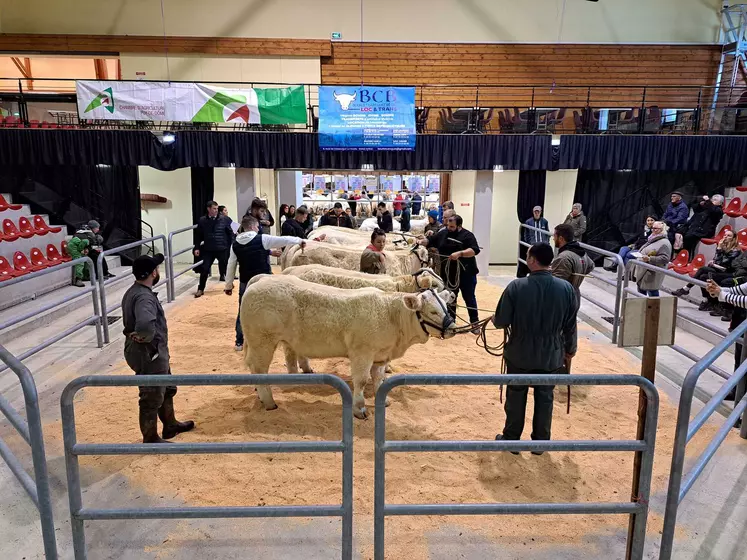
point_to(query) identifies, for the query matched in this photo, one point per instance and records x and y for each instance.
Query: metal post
(167, 272)
(617, 319)
(95, 296)
(347, 475)
(379, 474)
(102, 295)
(741, 389)
(75, 496)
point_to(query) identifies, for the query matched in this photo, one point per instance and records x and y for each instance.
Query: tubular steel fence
(170, 274)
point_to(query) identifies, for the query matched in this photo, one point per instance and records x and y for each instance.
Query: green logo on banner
(223, 107)
(105, 99)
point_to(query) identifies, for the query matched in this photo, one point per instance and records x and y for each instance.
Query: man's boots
(171, 426)
(149, 427)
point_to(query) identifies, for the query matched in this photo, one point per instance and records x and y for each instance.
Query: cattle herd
(322, 307)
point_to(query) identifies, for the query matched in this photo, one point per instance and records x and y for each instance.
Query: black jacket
(405, 220)
(447, 242)
(541, 311)
(214, 234)
(293, 227)
(142, 315)
(330, 219)
(640, 240)
(726, 258)
(705, 219)
(385, 221)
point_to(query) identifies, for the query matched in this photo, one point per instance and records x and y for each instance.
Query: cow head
(418, 258)
(425, 279)
(431, 312)
(345, 99)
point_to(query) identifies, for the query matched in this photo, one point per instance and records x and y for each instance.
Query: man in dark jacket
(540, 311)
(404, 220)
(530, 236)
(417, 203)
(384, 217)
(295, 226)
(259, 210)
(457, 248)
(675, 215)
(146, 350)
(572, 263)
(706, 217)
(336, 217)
(213, 237)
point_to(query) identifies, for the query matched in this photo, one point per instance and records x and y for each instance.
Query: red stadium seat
(41, 227)
(742, 189)
(25, 229)
(742, 238)
(53, 254)
(22, 264)
(719, 237)
(698, 262)
(63, 251)
(6, 272)
(10, 231)
(680, 262)
(5, 205)
(734, 208)
(38, 259)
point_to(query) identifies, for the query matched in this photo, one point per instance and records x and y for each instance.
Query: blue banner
(366, 118)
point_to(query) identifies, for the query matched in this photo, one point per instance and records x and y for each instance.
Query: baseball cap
(145, 264)
(537, 208)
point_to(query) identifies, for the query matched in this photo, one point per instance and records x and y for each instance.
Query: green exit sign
(336, 35)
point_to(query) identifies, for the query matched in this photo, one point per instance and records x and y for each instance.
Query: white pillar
(504, 231)
(290, 188)
(245, 189)
(481, 217)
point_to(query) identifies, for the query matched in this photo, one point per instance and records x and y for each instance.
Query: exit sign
(336, 35)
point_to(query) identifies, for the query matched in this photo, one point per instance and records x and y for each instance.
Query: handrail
(172, 276)
(31, 430)
(103, 282)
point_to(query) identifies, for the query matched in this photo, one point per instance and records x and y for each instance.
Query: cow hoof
(362, 413)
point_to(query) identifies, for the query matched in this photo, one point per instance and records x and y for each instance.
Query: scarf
(374, 248)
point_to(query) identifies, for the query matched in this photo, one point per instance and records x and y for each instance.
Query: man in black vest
(213, 237)
(252, 251)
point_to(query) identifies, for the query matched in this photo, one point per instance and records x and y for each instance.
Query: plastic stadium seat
(63, 251)
(680, 262)
(742, 189)
(734, 208)
(6, 272)
(742, 238)
(698, 262)
(38, 259)
(41, 227)
(22, 264)
(719, 237)
(25, 229)
(10, 231)
(744, 211)
(53, 254)
(5, 205)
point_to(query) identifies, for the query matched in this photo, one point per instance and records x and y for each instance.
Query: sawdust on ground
(201, 341)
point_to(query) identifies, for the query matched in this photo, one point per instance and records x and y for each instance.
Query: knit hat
(433, 214)
(145, 264)
(93, 224)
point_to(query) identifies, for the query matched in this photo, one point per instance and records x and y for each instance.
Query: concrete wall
(225, 191)
(608, 21)
(559, 192)
(504, 232)
(176, 186)
(463, 195)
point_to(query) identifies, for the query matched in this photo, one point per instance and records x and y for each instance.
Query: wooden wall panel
(561, 71)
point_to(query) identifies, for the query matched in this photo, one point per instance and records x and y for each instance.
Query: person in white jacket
(251, 251)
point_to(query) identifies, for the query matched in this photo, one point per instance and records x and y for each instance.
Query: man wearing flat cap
(675, 215)
(147, 350)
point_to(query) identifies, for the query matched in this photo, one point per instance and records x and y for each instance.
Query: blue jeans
(239, 332)
(650, 293)
(625, 253)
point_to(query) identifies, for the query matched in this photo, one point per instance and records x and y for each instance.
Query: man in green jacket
(540, 312)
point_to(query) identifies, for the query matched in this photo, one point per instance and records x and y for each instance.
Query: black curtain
(203, 190)
(616, 203)
(74, 194)
(276, 150)
(531, 193)
(653, 153)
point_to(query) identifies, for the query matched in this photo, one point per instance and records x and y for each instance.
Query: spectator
(531, 237)
(353, 221)
(707, 214)
(675, 215)
(223, 212)
(656, 251)
(77, 248)
(433, 224)
(404, 220)
(626, 252)
(283, 214)
(447, 205)
(336, 217)
(296, 227)
(572, 263)
(373, 259)
(259, 210)
(398, 204)
(454, 243)
(384, 218)
(577, 221)
(417, 203)
(213, 236)
(91, 231)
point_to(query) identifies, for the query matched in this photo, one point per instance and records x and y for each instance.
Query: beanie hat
(93, 224)
(433, 214)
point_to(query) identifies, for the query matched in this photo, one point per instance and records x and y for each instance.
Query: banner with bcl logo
(366, 118)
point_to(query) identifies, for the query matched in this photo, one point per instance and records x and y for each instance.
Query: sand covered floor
(201, 341)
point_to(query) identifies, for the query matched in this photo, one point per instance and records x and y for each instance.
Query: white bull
(398, 263)
(356, 238)
(379, 327)
(423, 279)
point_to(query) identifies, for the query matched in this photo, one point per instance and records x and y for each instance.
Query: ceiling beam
(99, 66)
(24, 67)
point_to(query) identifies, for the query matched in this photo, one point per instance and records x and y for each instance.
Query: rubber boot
(171, 426)
(149, 427)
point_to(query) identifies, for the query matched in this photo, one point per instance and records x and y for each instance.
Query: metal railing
(73, 449)
(96, 319)
(103, 282)
(685, 430)
(591, 249)
(638, 508)
(170, 260)
(37, 487)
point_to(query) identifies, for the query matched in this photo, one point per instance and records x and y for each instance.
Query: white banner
(124, 101)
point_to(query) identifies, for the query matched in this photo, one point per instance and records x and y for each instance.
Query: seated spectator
(90, 231)
(675, 215)
(707, 214)
(577, 221)
(626, 253)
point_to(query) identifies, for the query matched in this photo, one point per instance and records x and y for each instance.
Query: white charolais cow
(358, 238)
(398, 263)
(423, 279)
(378, 327)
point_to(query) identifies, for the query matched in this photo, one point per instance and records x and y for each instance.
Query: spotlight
(497, 169)
(168, 137)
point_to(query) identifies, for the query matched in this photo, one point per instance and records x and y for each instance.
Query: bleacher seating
(65, 255)
(698, 262)
(6, 271)
(25, 229)
(54, 256)
(5, 205)
(719, 236)
(42, 228)
(38, 259)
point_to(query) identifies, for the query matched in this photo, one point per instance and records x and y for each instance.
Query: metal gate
(73, 449)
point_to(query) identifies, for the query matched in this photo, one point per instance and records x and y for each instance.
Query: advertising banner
(366, 118)
(341, 182)
(189, 102)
